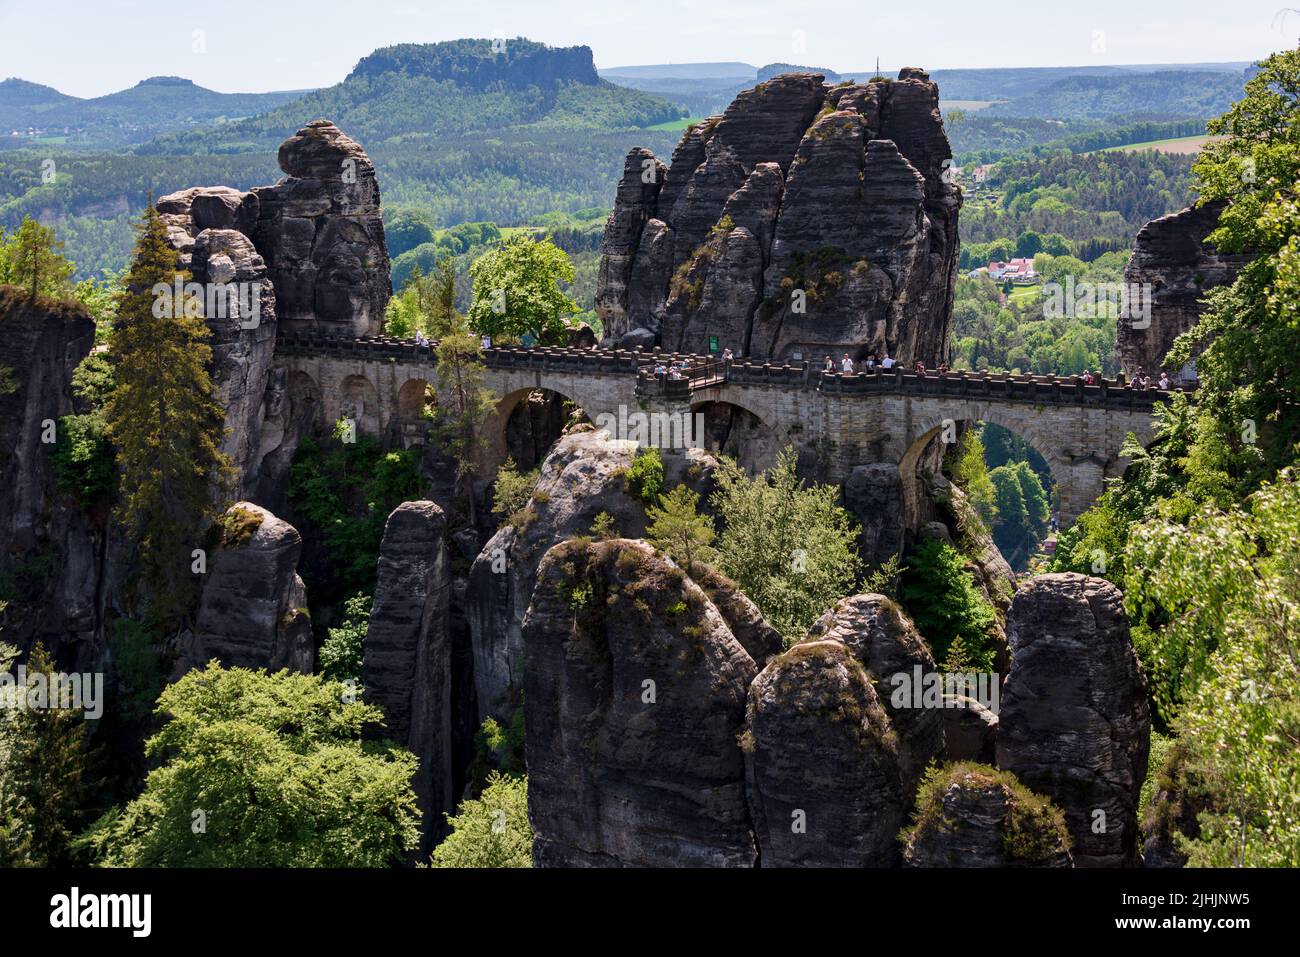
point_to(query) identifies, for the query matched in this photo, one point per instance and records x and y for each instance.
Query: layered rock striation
(805, 220)
(1172, 257)
(1074, 723)
(406, 666)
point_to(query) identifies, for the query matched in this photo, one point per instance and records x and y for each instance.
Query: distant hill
(776, 69)
(682, 71)
(158, 105)
(1168, 94)
(412, 92)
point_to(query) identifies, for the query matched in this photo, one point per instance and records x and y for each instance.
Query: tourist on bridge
(886, 362)
(871, 362)
(830, 365)
(1164, 381)
(846, 365)
(920, 368)
(420, 341)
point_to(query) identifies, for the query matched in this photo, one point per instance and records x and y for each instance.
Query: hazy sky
(92, 47)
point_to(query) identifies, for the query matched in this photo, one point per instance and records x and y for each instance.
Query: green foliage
(342, 652)
(166, 423)
(42, 767)
(1033, 831)
(791, 547)
(464, 404)
(516, 289)
(347, 490)
(137, 668)
(1022, 512)
(500, 747)
(645, 477)
(677, 527)
(940, 595)
(100, 297)
(83, 459)
(971, 473)
(1225, 663)
(261, 770)
(1245, 343)
(512, 489)
(492, 831)
(32, 258)
(602, 526)
(426, 303)
(84, 464)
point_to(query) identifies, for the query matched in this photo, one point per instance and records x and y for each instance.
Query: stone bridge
(842, 420)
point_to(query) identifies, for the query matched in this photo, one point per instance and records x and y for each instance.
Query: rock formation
(634, 697)
(974, 816)
(48, 553)
(1172, 256)
(805, 220)
(308, 252)
(822, 762)
(581, 477)
(320, 232)
(1074, 724)
(253, 612)
(407, 660)
(885, 642)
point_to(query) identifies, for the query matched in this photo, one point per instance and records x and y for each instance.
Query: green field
(1181, 144)
(673, 126)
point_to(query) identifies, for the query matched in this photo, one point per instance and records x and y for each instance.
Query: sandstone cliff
(407, 659)
(1074, 723)
(805, 220)
(634, 699)
(1172, 255)
(253, 612)
(307, 253)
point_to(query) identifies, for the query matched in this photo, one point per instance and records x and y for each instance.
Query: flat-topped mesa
(806, 220)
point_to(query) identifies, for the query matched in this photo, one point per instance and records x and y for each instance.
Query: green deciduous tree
(492, 831)
(791, 547)
(464, 405)
(1226, 663)
(165, 422)
(262, 770)
(948, 609)
(517, 292)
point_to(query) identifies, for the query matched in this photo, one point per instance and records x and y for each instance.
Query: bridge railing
(698, 372)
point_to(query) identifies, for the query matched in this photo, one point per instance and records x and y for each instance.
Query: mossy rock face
(972, 815)
(634, 692)
(822, 762)
(238, 525)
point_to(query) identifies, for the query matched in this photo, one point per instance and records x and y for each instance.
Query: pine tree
(165, 421)
(677, 527)
(42, 767)
(34, 261)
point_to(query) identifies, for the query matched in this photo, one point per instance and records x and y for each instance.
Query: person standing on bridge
(829, 367)
(886, 362)
(1164, 381)
(846, 365)
(420, 341)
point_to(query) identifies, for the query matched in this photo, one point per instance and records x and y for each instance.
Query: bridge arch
(415, 401)
(734, 427)
(529, 420)
(930, 439)
(359, 401)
